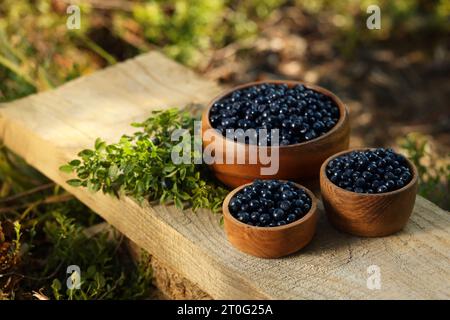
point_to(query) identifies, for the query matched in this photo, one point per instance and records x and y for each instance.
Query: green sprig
(141, 166)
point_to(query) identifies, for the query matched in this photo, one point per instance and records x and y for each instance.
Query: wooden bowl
(367, 215)
(297, 162)
(270, 242)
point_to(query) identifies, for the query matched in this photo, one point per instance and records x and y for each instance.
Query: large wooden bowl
(367, 215)
(297, 162)
(270, 242)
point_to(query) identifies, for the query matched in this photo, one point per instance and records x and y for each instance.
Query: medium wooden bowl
(297, 162)
(270, 242)
(367, 215)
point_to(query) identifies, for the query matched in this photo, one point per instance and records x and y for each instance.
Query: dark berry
(255, 216)
(291, 218)
(243, 216)
(360, 182)
(299, 203)
(287, 195)
(254, 204)
(264, 219)
(285, 205)
(278, 214)
(298, 212)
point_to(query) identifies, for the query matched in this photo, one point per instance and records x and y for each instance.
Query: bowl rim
(312, 211)
(323, 175)
(343, 110)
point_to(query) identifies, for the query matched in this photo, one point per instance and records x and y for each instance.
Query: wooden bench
(49, 128)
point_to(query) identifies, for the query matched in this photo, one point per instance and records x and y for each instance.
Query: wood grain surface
(49, 128)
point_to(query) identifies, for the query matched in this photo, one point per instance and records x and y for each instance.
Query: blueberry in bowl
(311, 124)
(270, 218)
(368, 192)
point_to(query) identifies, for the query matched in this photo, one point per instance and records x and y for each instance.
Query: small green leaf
(99, 144)
(169, 168)
(56, 286)
(75, 163)
(74, 182)
(67, 168)
(86, 153)
(178, 203)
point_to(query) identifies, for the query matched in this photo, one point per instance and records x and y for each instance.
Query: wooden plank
(49, 128)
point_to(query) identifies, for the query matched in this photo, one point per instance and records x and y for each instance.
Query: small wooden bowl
(297, 162)
(270, 242)
(367, 215)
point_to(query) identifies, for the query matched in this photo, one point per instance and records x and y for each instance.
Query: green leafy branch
(141, 166)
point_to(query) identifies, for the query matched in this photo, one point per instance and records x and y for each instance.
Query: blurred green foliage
(37, 51)
(404, 20)
(188, 29)
(434, 173)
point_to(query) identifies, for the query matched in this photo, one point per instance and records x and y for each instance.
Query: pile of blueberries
(300, 114)
(270, 203)
(370, 171)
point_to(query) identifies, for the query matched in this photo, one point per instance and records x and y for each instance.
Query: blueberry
(390, 184)
(243, 216)
(281, 223)
(360, 182)
(400, 184)
(310, 135)
(254, 204)
(291, 218)
(287, 195)
(367, 175)
(405, 177)
(285, 205)
(267, 203)
(278, 214)
(234, 205)
(298, 212)
(255, 216)
(264, 219)
(273, 185)
(372, 167)
(266, 194)
(299, 203)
